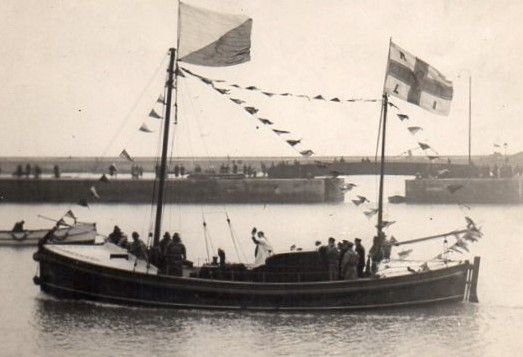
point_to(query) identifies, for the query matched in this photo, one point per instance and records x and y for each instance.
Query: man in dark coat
(361, 256)
(176, 254)
(137, 247)
(332, 255)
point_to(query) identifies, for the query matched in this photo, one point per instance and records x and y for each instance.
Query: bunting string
(295, 144)
(212, 82)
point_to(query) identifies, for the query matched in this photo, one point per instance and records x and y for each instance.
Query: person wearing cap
(176, 255)
(115, 235)
(361, 255)
(342, 247)
(137, 247)
(349, 263)
(332, 255)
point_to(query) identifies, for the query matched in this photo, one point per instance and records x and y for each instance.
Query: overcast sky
(79, 77)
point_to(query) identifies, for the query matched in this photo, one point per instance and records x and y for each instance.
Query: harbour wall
(403, 168)
(250, 190)
(474, 190)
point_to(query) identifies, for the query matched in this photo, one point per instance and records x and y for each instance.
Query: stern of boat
(471, 293)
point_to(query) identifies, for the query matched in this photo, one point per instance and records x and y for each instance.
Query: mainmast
(171, 82)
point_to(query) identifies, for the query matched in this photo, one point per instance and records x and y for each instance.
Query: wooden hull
(81, 233)
(75, 278)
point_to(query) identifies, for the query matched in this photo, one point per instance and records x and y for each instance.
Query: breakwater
(402, 168)
(463, 191)
(216, 190)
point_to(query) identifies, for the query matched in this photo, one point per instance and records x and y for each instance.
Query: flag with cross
(414, 80)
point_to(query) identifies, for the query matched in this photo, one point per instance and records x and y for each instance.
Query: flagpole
(383, 136)
(470, 119)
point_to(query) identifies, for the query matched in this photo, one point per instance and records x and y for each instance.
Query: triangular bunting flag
(281, 131)
(155, 115)
(125, 155)
(237, 101)
(251, 110)
(251, 88)
(423, 146)
(104, 179)
(221, 91)
(319, 96)
(265, 121)
(293, 142)
(402, 116)
(70, 214)
(145, 128)
(335, 100)
(160, 99)
(414, 129)
(268, 94)
(393, 105)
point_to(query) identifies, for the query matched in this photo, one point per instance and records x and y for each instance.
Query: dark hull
(69, 278)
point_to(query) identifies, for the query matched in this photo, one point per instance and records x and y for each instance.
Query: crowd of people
(344, 260)
(168, 256)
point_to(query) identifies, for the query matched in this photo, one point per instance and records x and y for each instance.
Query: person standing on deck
(332, 255)
(342, 248)
(137, 247)
(263, 249)
(376, 252)
(361, 257)
(176, 255)
(349, 263)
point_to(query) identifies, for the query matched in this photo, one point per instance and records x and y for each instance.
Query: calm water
(35, 324)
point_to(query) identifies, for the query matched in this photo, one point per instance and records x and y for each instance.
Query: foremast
(170, 84)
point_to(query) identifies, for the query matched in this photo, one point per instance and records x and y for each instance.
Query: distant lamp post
(470, 112)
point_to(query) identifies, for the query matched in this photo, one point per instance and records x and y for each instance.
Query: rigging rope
(233, 237)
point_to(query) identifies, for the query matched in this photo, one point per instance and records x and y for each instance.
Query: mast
(470, 120)
(382, 164)
(385, 105)
(171, 82)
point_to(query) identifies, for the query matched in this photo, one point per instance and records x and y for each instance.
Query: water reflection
(104, 329)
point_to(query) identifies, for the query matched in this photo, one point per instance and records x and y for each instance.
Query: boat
(396, 199)
(78, 233)
(291, 281)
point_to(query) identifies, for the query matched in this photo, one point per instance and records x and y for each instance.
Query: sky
(78, 78)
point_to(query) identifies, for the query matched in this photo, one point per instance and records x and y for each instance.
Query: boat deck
(107, 255)
(112, 256)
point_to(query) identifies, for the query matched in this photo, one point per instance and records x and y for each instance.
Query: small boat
(291, 281)
(79, 233)
(396, 199)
